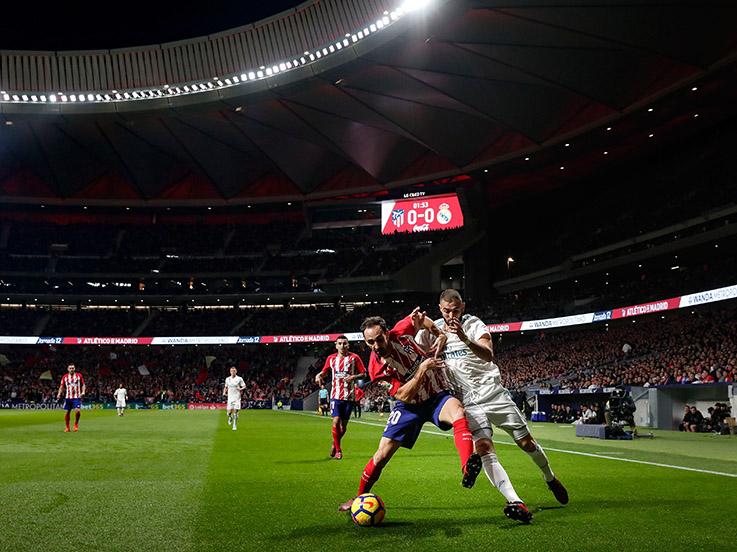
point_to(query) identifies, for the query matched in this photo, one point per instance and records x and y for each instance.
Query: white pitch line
(564, 451)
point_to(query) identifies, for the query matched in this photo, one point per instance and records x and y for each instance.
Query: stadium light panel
(383, 20)
(413, 5)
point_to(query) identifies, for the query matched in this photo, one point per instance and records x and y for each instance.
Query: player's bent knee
(527, 443)
(484, 446)
(452, 411)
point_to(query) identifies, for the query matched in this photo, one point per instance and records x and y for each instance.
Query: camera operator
(620, 408)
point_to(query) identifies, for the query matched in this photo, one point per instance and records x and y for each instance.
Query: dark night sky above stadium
(81, 25)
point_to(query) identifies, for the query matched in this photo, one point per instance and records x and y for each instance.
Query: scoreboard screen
(421, 214)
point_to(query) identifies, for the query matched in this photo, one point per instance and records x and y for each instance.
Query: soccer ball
(367, 510)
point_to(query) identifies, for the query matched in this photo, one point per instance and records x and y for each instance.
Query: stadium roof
(454, 87)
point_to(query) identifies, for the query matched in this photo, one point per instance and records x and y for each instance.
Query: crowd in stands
(683, 348)
(162, 374)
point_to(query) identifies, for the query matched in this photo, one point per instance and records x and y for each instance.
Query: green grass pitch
(179, 480)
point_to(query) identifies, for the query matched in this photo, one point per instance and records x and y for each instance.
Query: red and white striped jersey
(405, 357)
(340, 368)
(73, 383)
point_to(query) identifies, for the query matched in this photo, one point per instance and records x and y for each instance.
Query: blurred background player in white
(345, 368)
(74, 383)
(476, 380)
(234, 385)
(121, 395)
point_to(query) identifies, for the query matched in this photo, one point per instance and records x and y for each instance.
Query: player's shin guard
(370, 476)
(463, 440)
(336, 437)
(499, 478)
(66, 418)
(540, 458)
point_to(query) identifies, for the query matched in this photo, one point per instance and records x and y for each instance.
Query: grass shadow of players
(308, 461)
(415, 529)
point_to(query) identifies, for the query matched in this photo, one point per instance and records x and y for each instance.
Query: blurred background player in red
(420, 388)
(358, 395)
(345, 368)
(75, 389)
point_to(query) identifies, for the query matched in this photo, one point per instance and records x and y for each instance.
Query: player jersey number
(394, 417)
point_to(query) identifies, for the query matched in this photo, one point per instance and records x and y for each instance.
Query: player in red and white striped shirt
(345, 368)
(418, 383)
(74, 383)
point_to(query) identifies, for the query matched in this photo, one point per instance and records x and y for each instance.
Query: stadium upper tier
(348, 96)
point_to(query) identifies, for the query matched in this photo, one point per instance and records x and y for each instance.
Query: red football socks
(76, 418)
(463, 440)
(336, 438)
(66, 419)
(370, 476)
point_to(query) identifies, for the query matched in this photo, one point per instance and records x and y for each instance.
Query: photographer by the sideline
(620, 410)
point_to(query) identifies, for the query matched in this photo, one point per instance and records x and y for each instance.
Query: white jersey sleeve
(476, 329)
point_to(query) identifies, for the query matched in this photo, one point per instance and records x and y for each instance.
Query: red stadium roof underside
(474, 85)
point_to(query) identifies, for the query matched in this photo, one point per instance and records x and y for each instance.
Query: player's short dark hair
(372, 321)
(450, 295)
(341, 337)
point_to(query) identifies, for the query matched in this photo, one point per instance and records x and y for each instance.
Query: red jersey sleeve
(378, 373)
(360, 368)
(64, 379)
(404, 327)
(81, 379)
(326, 366)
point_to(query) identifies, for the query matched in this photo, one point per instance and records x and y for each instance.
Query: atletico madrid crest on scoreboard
(397, 217)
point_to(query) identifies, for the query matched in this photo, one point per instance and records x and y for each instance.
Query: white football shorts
(496, 409)
(234, 404)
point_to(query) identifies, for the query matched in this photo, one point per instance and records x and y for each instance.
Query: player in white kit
(476, 380)
(234, 385)
(121, 395)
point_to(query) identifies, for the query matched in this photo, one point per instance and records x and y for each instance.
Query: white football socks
(498, 477)
(540, 458)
